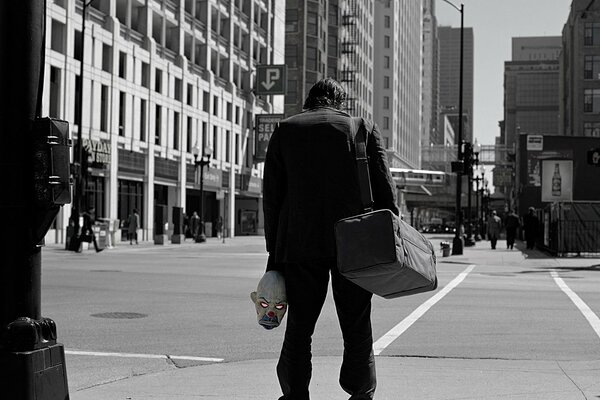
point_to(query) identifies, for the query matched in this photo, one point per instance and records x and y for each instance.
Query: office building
(449, 76)
(580, 71)
(162, 77)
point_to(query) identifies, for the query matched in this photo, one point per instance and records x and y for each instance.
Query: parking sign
(270, 79)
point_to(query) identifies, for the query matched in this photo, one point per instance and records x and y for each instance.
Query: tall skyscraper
(531, 101)
(449, 72)
(580, 71)
(429, 92)
(330, 39)
(397, 78)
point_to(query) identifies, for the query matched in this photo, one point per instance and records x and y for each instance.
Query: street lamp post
(477, 179)
(203, 162)
(457, 243)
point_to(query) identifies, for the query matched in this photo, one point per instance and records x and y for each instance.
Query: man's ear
(253, 297)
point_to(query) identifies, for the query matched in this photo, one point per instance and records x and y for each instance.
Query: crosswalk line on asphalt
(136, 355)
(587, 312)
(399, 329)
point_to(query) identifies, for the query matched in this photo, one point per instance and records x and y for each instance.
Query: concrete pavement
(412, 378)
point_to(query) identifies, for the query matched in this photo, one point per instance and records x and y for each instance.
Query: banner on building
(557, 180)
(264, 125)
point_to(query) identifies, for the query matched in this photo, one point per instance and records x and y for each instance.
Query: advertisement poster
(265, 125)
(534, 166)
(557, 180)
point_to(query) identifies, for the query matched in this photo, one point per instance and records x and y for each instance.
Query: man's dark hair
(326, 93)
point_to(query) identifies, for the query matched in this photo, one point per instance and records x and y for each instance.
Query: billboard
(557, 180)
(265, 126)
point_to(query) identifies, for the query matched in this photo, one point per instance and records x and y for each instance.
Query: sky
(494, 23)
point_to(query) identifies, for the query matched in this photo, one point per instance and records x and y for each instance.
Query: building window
(291, 20)
(206, 101)
(106, 58)
(176, 130)
(215, 142)
(158, 81)
(54, 111)
(386, 82)
(591, 101)
(386, 62)
(386, 122)
(57, 39)
(227, 146)
(189, 135)
(178, 89)
(591, 67)
(122, 65)
(122, 113)
(157, 124)
(143, 115)
(311, 58)
(312, 23)
(291, 97)
(228, 111)
(237, 115)
(386, 102)
(386, 21)
(591, 35)
(591, 129)
(291, 55)
(77, 45)
(204, 134)
(104, 108)
(190, 95)
(386, 42)
(237, 148)
(145, 75)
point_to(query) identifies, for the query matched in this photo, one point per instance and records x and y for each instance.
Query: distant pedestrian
(531, 225)
(494, 225)
(195, 225)
(133, 223)
(219, 227)
(87, 230)
(310, 182)
(512, 223)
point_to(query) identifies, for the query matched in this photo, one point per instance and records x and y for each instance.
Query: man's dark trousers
(306, 285)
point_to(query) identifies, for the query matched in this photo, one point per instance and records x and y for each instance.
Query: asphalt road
(191, 302)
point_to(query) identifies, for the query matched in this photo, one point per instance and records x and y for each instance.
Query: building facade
(531, 81)
(449, 72)
(330, 39)
(398, 79)
(163, 77)
(580, 71)
(429, 91)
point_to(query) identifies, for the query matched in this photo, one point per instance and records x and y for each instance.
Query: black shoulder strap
(364, 180)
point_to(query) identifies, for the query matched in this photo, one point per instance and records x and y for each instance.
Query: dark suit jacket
(311, 181)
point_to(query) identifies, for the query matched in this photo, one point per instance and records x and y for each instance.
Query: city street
(176, 321)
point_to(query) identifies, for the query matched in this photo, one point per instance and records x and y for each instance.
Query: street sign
(593, 157)
(264, 127)
(270, 79)
(535, 142)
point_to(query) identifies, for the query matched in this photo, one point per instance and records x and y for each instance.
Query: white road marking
(585, 310)
(399, 329)
(135, 355)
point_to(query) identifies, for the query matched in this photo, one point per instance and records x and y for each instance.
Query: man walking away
(512, 223)
(133, 223)
(310, 182)
(531, 224)
(494, 225)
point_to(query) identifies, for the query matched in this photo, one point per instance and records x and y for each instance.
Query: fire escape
(349, 50)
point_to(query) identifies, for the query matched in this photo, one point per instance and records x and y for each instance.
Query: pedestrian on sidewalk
(87, 230)
(219, 227)
(133, 223)
(531, 225)
(494, 226)
(310, 182)
(195, 226)
(512, 223)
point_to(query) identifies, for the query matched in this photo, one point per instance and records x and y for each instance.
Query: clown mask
(270, 300)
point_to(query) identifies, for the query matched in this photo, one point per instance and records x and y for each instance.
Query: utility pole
(34, 157)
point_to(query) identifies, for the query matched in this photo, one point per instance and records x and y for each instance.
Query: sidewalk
(411, 378)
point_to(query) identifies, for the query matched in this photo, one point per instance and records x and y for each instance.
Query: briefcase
(377, 250)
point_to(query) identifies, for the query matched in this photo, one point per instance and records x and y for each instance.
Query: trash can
(101, 232)
(445, 249)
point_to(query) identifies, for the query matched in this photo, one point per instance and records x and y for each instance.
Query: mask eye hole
(280, 306)
(264, 304)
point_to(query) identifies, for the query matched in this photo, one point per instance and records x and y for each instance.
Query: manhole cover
(120, 315)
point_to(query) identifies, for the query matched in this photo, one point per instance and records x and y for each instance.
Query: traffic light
(593, 157)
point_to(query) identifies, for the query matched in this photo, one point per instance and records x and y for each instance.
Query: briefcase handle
(362, 163)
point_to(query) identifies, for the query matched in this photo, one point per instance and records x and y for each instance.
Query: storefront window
(131, 195)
